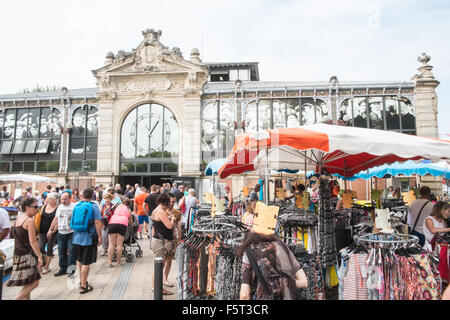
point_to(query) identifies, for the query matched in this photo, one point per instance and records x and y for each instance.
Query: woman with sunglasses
(27, 258)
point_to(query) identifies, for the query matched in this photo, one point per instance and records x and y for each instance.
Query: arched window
(84, 139)
(149, 141)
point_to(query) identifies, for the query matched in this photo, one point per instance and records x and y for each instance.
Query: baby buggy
(130, 241)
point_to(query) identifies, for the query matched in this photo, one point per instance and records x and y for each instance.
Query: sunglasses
(34, 207)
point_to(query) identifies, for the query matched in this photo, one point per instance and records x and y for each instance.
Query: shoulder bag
(258, 273)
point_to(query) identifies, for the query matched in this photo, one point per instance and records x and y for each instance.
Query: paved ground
(131, 281)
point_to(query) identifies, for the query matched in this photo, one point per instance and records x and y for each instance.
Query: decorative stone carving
(425, 73)
(139, 85)
(424, 58)
(195, 56)
(176, 53)
(192, 78)
(120, 55)
(105, 82)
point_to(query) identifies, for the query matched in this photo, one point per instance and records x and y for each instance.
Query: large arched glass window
(84, 139)
(149, 141)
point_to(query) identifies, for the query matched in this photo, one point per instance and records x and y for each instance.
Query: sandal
(87, 289)
(168, 284)
(167, 293)
(45, 271)
(111, 265)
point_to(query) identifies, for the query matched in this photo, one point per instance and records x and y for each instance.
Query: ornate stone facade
(150, 74)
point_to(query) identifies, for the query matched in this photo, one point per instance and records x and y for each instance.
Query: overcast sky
(60, 42)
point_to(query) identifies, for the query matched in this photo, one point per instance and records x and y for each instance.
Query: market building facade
(156, 116)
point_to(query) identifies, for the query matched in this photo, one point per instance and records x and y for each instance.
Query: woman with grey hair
(190, 201)
(43, 222)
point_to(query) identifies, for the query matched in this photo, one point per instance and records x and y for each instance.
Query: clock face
(154, 129)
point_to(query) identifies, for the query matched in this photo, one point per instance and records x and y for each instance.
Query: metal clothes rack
(391, 238)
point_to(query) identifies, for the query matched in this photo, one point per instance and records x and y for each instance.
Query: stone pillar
(425, 99)
(107, 149)
(191, 148)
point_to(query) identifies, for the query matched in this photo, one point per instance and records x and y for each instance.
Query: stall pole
(1, 281)
(266, 182)
(158, 286)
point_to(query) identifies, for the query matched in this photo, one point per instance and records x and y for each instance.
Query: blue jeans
(64, 244)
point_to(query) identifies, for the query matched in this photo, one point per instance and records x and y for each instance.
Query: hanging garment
(355, 282)
(444, 263)
(429, 284)
(342, 272)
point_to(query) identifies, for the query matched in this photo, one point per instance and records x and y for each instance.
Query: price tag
(265, 219)
(408, 197)
(347, 199)
(220, 205)
(280, 193)
(305, 200)
(363, 271)
(208, 197)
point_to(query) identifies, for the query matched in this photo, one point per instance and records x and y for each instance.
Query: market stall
(328, 149)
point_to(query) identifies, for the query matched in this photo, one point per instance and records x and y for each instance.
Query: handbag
(433, 241)
(38, 218)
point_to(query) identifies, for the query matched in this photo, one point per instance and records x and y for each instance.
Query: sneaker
(60, 273)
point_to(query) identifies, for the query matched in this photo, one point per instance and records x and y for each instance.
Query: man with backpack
(87, 226)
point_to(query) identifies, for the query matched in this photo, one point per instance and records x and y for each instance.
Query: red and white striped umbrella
(338, 149)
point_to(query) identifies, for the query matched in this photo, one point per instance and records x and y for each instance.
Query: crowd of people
(161, 214)
(57, 215)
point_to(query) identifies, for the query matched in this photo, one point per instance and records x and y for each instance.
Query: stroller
(130, 241)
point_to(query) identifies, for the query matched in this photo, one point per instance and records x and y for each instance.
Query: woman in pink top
(117, 227)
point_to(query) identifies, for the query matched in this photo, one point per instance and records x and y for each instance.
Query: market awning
(406, 168)
(338, 149)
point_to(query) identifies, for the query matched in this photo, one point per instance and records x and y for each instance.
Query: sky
(60, 42)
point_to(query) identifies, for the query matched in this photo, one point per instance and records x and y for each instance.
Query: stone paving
(107, 282)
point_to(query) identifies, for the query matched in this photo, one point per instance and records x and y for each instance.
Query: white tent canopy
(9, 178)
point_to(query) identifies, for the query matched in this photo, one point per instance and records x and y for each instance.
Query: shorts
(162, 248)
(117, 228)
(85, 254)
(142, 219)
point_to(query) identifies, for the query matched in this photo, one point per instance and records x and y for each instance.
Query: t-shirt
(121, 215)
(151, 202)
(4, 220)
(267, 255)
(254, 195)
(64, 214)
(83, 238)
(414, 209)
(139, 201)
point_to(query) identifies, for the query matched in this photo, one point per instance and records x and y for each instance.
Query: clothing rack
(206, 261)
(394, 238)
(384, 266)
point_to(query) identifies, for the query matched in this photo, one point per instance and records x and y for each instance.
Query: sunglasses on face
(34, 207)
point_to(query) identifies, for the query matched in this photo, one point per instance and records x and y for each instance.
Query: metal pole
(158, 285)
(266, 183)
(1, 281)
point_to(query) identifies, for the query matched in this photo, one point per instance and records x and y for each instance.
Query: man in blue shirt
(85, 242)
